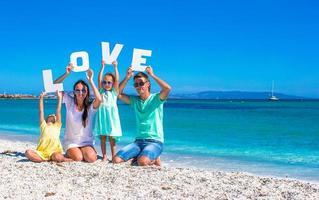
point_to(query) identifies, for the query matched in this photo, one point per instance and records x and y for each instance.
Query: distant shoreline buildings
(210, 95)
(17, 96)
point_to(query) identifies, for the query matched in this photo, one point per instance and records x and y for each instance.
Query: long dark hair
(86, 102)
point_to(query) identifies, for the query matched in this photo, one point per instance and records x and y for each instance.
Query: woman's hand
(69, 68)
(89, 74)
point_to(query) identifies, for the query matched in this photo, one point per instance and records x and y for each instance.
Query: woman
(78, 138)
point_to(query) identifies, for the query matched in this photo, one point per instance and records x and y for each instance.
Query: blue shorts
(141, 147)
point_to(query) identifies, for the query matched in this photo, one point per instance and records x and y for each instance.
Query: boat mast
(272, 89)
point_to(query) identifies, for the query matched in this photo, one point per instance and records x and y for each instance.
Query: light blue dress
(108, 120)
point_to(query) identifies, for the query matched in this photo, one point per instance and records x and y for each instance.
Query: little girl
(108, 120)
(49, 145)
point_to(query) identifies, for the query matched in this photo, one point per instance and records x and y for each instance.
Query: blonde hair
(52, 115)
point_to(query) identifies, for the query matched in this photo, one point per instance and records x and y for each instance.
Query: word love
(137, 64)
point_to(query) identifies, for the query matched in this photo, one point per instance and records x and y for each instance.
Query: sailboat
(273, 97)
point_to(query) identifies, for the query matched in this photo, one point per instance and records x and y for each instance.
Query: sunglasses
(77, 91)
(107, 82)
(139, 84)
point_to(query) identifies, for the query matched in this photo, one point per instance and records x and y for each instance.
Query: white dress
(75, 134)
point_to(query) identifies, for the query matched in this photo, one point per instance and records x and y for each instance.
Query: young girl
(108, 121)
(49, 145)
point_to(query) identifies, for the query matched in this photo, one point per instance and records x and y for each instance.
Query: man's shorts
(141, 147)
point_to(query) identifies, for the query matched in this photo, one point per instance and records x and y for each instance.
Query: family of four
(80, 120)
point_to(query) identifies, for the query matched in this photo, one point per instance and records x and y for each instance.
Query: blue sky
(197, 45)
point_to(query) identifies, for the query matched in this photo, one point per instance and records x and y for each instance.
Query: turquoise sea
(261, 137)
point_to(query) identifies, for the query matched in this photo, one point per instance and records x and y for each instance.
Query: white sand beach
(22, 179)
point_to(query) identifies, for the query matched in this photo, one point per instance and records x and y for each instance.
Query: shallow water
(261, 137)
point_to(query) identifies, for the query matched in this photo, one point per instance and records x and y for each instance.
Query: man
(149, 119)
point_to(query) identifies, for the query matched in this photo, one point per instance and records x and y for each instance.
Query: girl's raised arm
(98, 98)
(58, 106)
(117, 77)
(41, 108)
(100, 77)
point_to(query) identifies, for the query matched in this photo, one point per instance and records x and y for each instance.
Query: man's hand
(149, 70)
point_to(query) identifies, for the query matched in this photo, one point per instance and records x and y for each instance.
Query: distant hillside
(233, 95)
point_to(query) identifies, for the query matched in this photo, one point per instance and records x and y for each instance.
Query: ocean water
(266, 138)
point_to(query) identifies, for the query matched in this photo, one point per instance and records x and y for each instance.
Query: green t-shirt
(149, 117)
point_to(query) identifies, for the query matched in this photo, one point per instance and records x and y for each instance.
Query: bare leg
(117, 160)
(144, 161)
(33, 156)
(103, 147)
(113, 146)
(89, 154)
(131, 149)
(58, 157)
(75, 154)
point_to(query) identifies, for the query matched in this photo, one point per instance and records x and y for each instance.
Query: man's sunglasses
(79, 91)
(107, 82)
(139, 84)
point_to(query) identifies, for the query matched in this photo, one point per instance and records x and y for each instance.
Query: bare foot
(104, 158)
(157, 161)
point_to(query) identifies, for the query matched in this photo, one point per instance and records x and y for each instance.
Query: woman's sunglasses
(77, 91)
(139, 84)
(107, 82)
